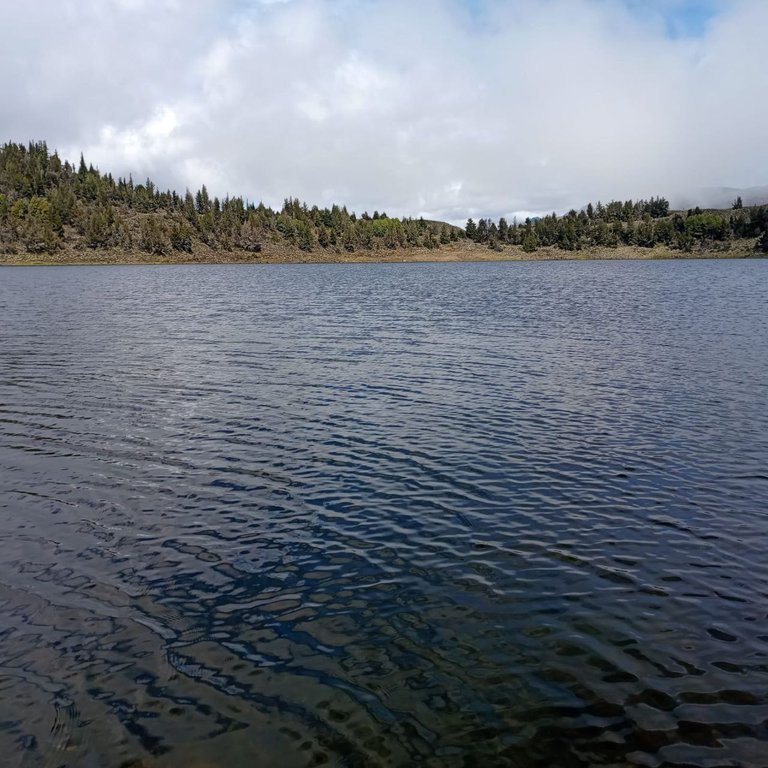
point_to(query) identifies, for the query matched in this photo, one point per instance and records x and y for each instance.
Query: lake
(494, 514)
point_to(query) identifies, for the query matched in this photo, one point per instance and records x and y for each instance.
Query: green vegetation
(50, 206)
(47, 204)
(644, 224)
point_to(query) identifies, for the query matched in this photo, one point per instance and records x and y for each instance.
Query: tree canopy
(642, 223)
(45, 202)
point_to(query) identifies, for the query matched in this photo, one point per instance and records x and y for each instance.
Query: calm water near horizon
(443, 515)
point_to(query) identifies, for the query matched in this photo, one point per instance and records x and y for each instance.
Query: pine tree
(530, 241)
(202, 201)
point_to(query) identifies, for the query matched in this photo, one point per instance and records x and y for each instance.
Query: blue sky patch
(684, 18)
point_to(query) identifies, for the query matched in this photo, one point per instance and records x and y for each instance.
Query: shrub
(181, 238)
(154, 236)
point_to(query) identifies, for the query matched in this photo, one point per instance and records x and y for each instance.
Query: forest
(47, 204)
(642, 223)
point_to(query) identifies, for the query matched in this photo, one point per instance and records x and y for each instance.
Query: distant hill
(441, 224)
(722, 197)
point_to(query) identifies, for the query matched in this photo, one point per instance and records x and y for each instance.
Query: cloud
(442, 108)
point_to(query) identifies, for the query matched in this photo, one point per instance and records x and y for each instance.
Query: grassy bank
(463, 250)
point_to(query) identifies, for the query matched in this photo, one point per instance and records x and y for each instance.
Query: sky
(441, 108)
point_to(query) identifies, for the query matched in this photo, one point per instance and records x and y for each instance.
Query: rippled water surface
(384, 515)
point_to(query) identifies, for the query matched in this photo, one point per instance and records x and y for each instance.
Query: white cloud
(421, 108)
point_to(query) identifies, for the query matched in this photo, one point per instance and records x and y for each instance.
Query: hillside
(51, 210)
(54, 212)
(641, 224)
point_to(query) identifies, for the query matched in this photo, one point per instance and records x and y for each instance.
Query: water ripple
(384, 515)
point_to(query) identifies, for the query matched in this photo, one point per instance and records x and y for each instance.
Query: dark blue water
(386, 515)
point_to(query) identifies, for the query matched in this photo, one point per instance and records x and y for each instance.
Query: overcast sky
(441, 108)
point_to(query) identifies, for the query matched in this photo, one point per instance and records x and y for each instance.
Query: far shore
(453, 252)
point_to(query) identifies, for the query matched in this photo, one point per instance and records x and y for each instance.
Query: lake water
(508, 514)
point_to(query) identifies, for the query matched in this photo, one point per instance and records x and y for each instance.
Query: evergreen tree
(530, 241)
(97, 230)
(202, 201)
(38, 233)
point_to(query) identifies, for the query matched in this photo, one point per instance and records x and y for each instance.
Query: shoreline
(453, 253)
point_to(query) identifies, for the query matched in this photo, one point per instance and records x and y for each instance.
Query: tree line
(46, 202)
(643, 223)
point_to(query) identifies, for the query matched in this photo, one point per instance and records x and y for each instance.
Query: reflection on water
(396, 515)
